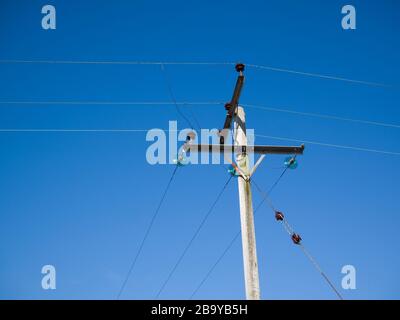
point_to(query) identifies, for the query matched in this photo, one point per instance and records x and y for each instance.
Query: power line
(203, 103)
(318, 75)
(76, 130)
(155, 214)
(25, 130)
(194, 63)
(330, 145)
(172, 96)
(203, 221)
(205, 63)
(175, 170)
(194, 117)
(137, 103)
(321, 115)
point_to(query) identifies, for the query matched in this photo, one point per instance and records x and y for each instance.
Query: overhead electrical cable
(199, 63)
(203, 103)
(321, 116)
(171, 93)
(146, 234)
(172, 96)
(330, 145)
(123, 103)
(196, 233)
(64, 130)
(318, 75)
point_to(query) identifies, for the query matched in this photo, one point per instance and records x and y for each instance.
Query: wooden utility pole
(252, 282)
(244, 173)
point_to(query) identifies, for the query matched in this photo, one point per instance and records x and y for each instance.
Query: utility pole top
(239, 67)
(233, 104)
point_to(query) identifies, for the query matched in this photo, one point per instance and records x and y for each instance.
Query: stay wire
(229, 246)
(203, 221)
(317, 267)
(267, 194)
(290, 231)
(155, 214)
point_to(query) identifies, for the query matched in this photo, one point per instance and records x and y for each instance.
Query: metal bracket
(260, 159)
(236, 167)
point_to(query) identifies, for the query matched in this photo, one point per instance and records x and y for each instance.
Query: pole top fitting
(239, 67)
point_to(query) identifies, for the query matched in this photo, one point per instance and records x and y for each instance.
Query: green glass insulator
(232, 171)
(181, 161)
(291, 163)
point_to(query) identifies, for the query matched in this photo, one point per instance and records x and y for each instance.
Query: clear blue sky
(82, 201)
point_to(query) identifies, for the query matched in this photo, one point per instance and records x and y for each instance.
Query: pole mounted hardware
(241, 168)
